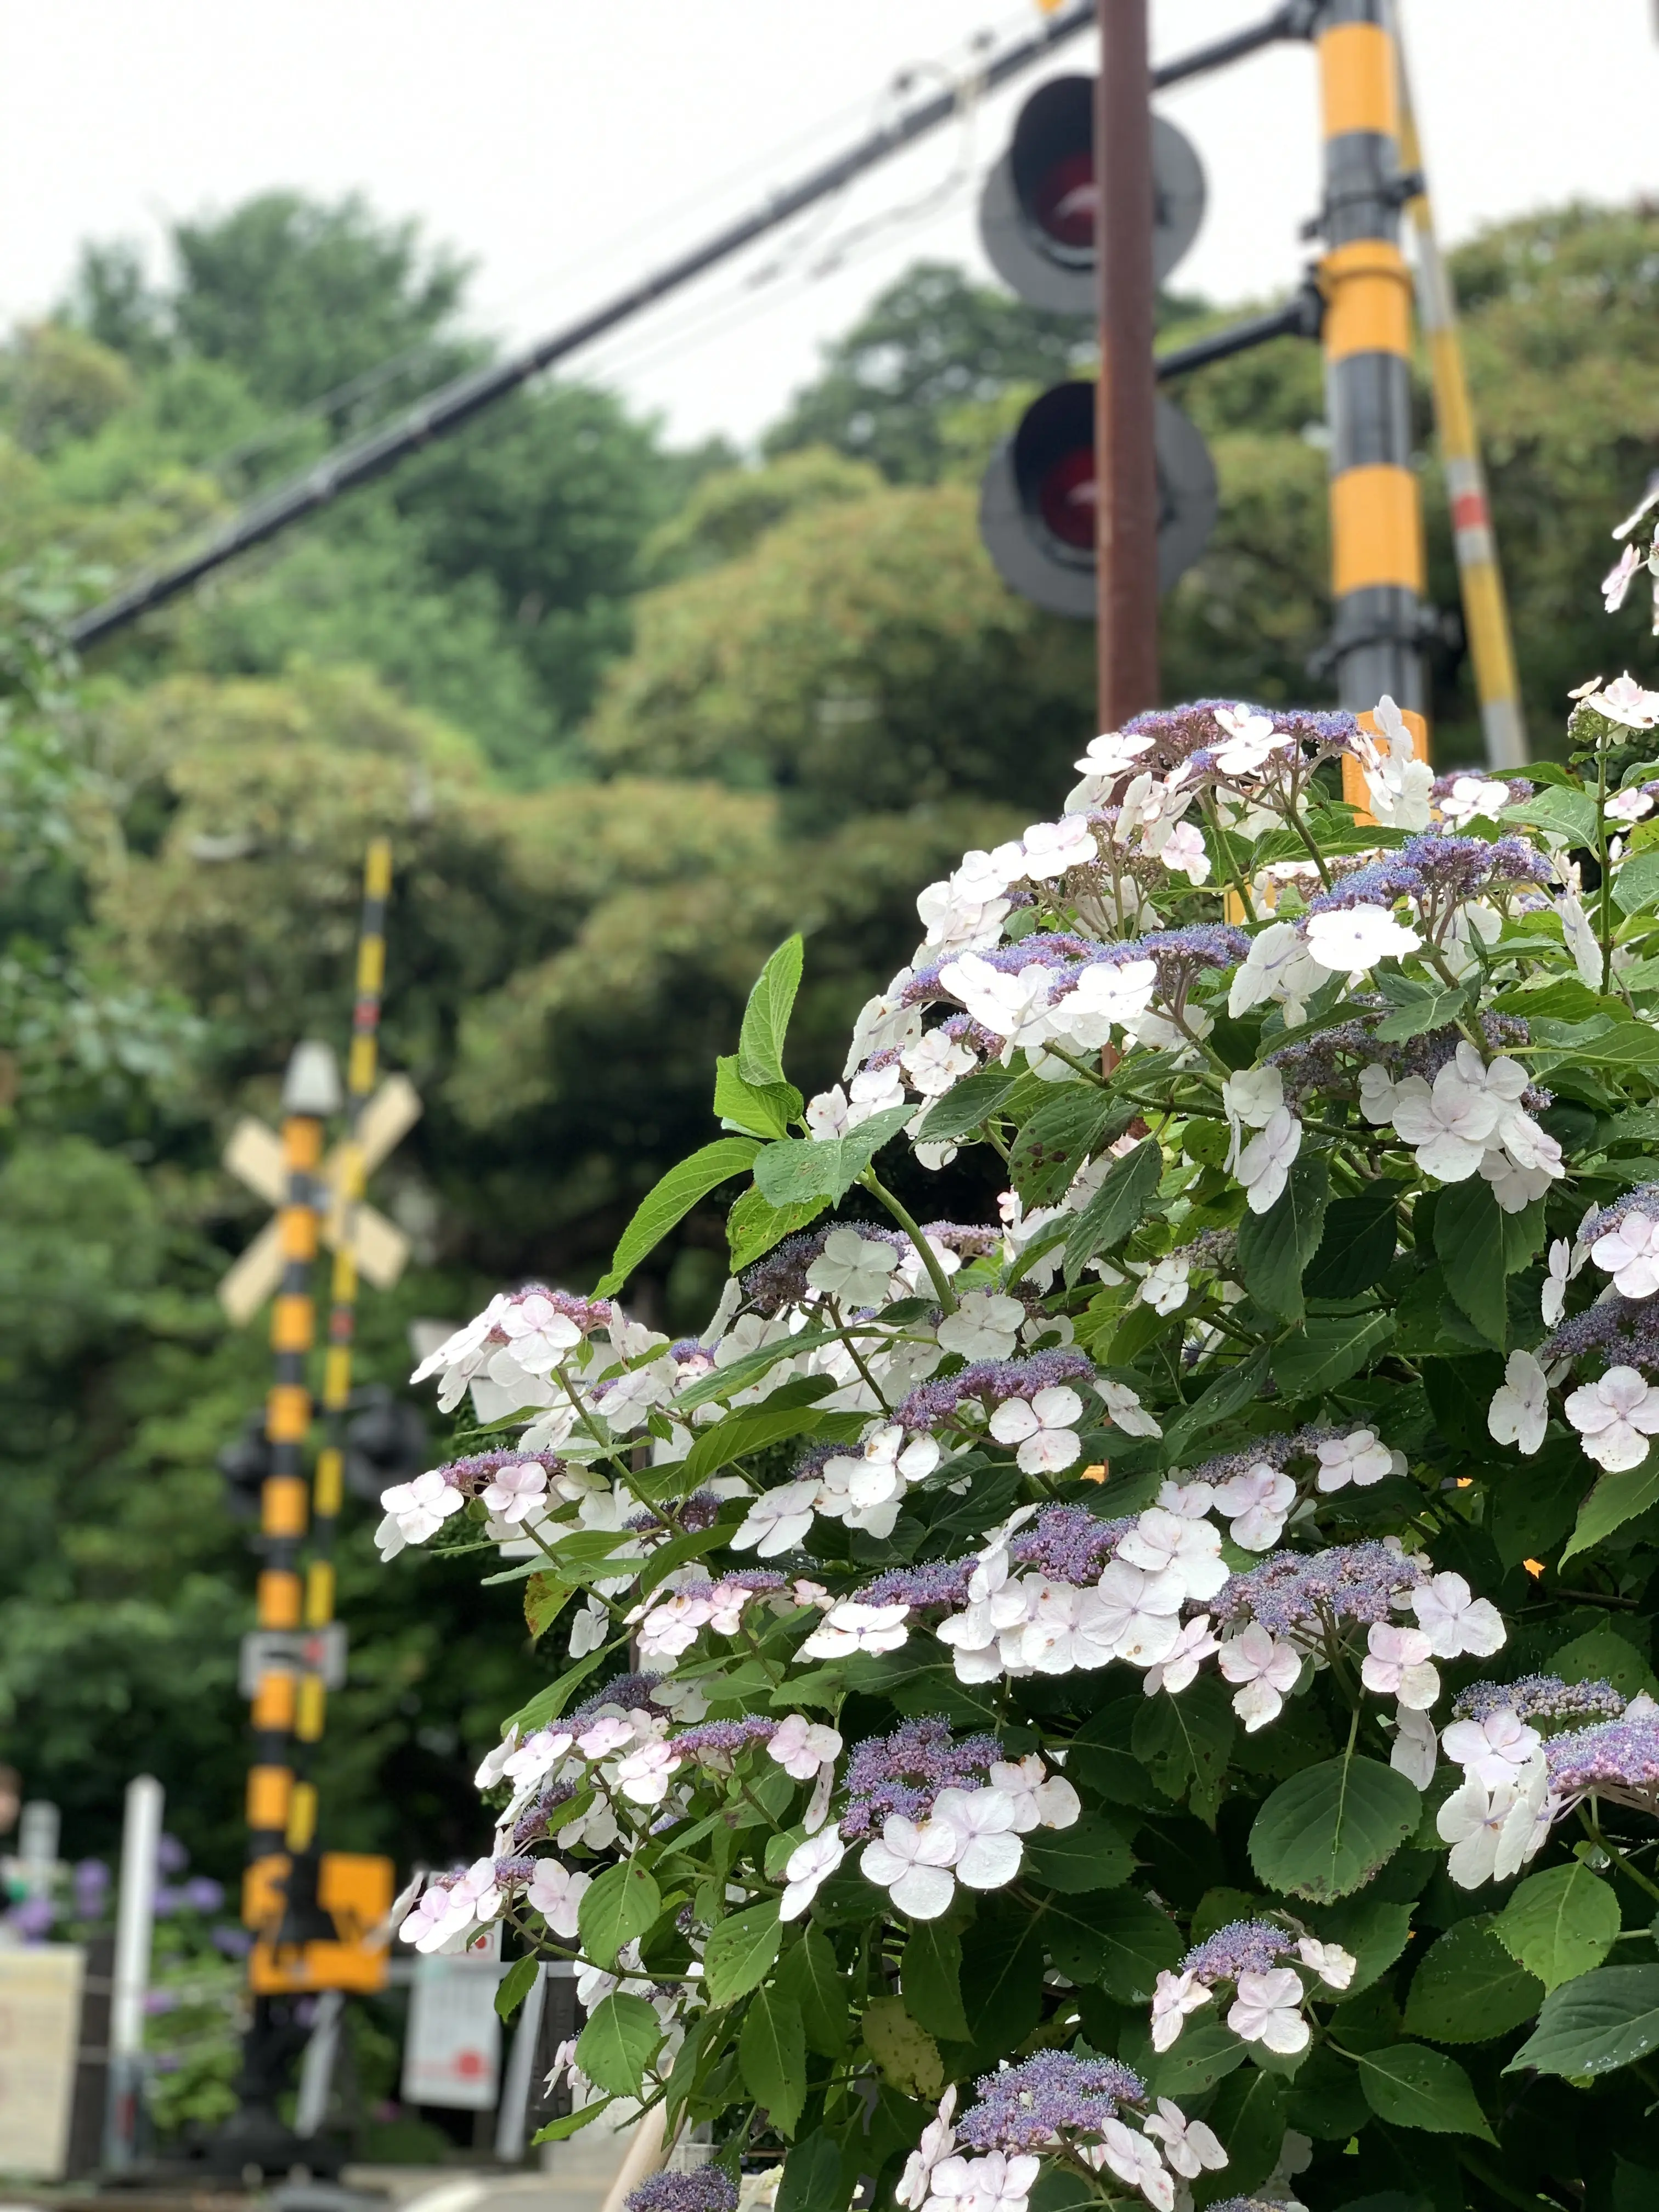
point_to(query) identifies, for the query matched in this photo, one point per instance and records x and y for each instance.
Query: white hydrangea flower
(911, 1861)
(936, 1063)
(1266, 1668)
(1267, 2009)
(1049, 848)
(1520, 1409)
(1493, 1832)
(777, 1520)
(1398, 1663)
(1013, 1008)
(1614, 1417)
(1360, 1458)
(1257, 1500)
(1348, 941)
(985, 1326)
(1279, 966)
(808, 1867)
(1166, 1283)
(1161, 1541)
(1043, 1427)
(1264, 1165)
(1630, 1254)
(1448, 1125)
(1415, 1746)
(852, 1269)
(1455, 1621)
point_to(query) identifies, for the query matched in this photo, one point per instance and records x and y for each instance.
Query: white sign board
(39, 2032)
(452, 2051)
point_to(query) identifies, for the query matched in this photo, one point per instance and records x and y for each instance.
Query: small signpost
(39, 2032)
(453, 2052)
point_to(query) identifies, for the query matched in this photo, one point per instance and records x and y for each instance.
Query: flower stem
(941, 1281)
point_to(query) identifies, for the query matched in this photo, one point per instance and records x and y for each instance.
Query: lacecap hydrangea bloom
(1164, 1504)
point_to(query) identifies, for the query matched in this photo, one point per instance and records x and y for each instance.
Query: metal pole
(511, 2113)
(1126, 473)
(329, 1482)
(1376, 524)
(1486, 615)
(311, 1091)
(135, 1919)
(317, 2067)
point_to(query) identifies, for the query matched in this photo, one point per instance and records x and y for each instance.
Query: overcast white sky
(566, 145)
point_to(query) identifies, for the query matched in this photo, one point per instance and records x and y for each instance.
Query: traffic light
(1038, 512)
(384, 1441)
(245, 1464)
(1036, 214)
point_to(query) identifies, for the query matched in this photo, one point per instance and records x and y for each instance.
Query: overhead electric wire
(454, 404)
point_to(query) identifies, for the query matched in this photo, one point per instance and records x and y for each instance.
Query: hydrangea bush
(1142, 1697)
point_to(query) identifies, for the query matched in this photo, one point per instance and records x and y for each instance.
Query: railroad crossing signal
(254, 1156)
(1038, 513)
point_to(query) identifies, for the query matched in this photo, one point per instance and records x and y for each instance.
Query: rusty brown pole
(1125, 472)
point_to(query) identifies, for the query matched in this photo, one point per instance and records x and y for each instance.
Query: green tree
(301, 298)
(932, 340)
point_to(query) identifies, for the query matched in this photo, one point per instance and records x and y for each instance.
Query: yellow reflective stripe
(1376, 531)
(1358, 89)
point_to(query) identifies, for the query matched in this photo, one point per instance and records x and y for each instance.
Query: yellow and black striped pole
(310, 1093)
(1377, 522)
(329, 1483)
(1486, 615)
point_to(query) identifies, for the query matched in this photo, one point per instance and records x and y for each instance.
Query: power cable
(456, 403)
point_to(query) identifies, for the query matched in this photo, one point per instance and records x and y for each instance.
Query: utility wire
(457, 401)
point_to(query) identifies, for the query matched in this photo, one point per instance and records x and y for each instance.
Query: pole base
(255, 2147)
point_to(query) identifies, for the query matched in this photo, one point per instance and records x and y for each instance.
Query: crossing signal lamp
(1038, 503)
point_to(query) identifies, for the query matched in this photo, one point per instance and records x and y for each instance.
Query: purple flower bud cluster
(1625, 1331)
(992, 1382)
(1255, 2204)
(1070, 1544)
(936, 1582)
(478, 1470)
(1046, 2100)
(1181, 733)
(588, 1314)
(699, 1511)
(1180, 955)
(1064, 954)
(632, 1694)
(1351, 1582)
(969, 1240)
(903, 1773)
(1519, 787)
(1436, 867)
(1539, 1697)
(1332, 1060)
(512, 1872)
(536, 1823)
(1618, 1760)
(717, 1743)
(1643, 1199)
(779, 1279)
(705, 2189)
(1242, 1946)
(963, 1028)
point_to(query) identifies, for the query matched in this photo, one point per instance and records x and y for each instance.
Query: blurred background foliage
(628, 714)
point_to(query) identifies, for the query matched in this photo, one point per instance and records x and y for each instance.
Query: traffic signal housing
(1038, 513)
